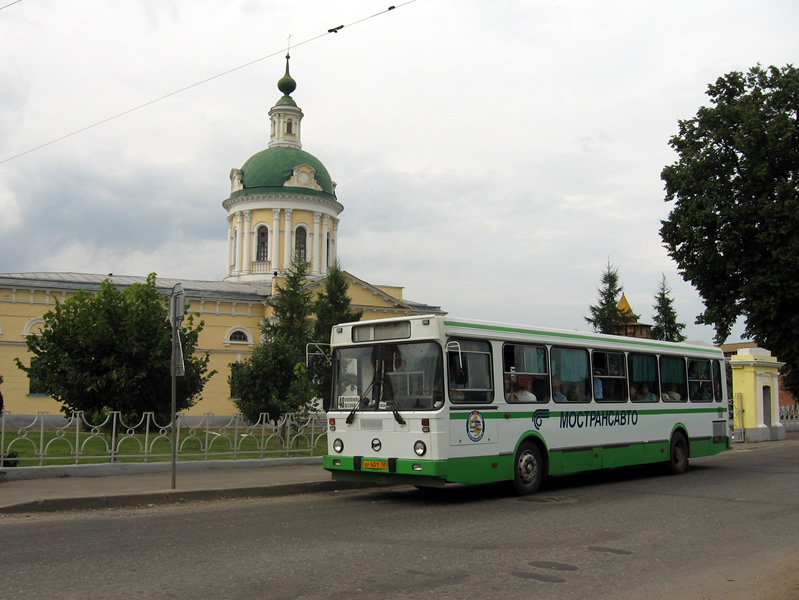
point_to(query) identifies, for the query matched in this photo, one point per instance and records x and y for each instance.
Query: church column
(247, 249)
(275, 239)
(229, 265)
(325, 245)
(238, 244)
(316, 248)
(287, 253)
(334, 241)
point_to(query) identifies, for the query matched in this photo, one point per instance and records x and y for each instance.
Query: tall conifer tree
(265, 382)
(666, 327)
(606, 316)
(332, 306)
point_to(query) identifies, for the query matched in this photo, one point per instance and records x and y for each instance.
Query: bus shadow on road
(554, 490)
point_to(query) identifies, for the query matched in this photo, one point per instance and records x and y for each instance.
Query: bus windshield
(388, 377)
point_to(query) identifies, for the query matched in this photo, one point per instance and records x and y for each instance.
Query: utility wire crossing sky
(490, 157)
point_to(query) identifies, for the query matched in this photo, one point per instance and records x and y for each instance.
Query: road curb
(178, 497)
(113, 469)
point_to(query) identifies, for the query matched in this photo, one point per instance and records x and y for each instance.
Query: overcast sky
(491, 157)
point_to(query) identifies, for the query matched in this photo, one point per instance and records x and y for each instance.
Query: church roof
(242, 291)
(246, 291)
(270, 169)
(624, 305)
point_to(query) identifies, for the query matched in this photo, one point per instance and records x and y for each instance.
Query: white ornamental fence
(45, 439)
(789, 414)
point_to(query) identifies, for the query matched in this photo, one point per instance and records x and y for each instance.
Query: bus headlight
(420, 448)
(338, 445)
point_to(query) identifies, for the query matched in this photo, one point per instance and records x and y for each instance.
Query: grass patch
(57, 447)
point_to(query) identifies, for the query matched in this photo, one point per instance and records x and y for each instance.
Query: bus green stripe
(462, 416)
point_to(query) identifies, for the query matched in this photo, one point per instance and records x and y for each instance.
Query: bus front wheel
(528, 469)
(678, 454)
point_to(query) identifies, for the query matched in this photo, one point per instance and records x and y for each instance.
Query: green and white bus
(430, 400)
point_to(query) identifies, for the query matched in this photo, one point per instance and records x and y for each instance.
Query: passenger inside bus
(671, 394)
(646, 395)
(557, 391)
(518, 391)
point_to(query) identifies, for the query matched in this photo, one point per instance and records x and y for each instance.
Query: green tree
(666, 327)
(606, 316)
(112, 351)
(734, 228)
(332, 306)
(263, 382)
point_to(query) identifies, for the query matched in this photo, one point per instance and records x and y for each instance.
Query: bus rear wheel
(528, 469)
(678, 454)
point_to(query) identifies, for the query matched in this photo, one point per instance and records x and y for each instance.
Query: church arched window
(238, 335)
(33, 327)
(329, 249)
(289, 127)
(262, 247)
(300, 243)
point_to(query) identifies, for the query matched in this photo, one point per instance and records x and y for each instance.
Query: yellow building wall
(753, 369)
(219, 319)
(17, 310)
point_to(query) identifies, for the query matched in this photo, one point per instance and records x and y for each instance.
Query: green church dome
(270, 169)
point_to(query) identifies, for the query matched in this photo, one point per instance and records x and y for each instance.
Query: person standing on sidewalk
(1, 398)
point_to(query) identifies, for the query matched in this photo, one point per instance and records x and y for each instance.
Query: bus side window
(717, 396)
(525, 373)
(610, 383)
(570, 375)
(672, 379)
(700, 386)
(470, 371)
(643, 372)
(457, 370)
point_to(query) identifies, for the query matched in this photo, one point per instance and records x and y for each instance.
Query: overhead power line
(10, 4)
(332, 30)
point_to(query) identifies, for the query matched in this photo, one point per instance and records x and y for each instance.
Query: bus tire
(678, 454)
(528, 469)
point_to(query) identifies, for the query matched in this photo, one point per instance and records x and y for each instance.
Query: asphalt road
(726, 529)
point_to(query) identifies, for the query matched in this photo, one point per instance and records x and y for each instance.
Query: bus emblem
(475, 426)
(539, 416)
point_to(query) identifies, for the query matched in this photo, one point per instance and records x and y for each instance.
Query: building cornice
(283, 200)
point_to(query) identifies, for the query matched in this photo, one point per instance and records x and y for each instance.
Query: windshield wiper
(397, 416)
(351, 417)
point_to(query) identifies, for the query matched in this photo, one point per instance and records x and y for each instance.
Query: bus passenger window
(717, 396)
(700, 386)
(469, 366)
(525, 373)
(672, 379)
(610, 383)
(643, 373)
(570, 376)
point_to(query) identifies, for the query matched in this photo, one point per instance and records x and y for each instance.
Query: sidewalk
(109, 486)
(74, 487)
